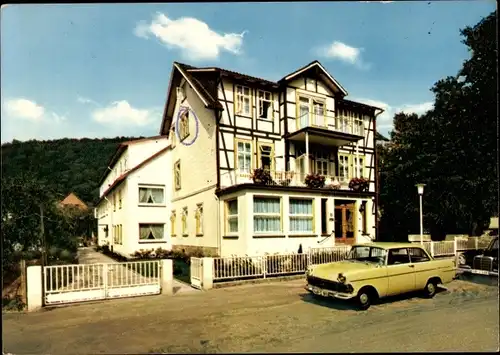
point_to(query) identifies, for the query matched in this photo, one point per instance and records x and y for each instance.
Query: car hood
(347, 268)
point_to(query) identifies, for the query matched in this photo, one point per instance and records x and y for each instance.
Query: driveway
(274, 317)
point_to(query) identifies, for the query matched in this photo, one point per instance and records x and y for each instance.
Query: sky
(102, 70)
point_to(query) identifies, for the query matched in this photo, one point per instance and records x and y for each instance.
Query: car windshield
(367, 254)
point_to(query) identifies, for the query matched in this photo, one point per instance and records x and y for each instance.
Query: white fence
(452, 247)
(76, 283)
(250, 267)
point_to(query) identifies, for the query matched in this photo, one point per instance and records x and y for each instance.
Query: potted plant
(315, 180)
(358, 184)
(262, 176)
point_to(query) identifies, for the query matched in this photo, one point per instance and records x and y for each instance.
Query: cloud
(343, 52)
(24, 109)
(195, 39)
(122, 113)
(85, 100)
(384, 120)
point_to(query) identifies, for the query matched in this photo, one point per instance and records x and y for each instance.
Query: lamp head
(420, 188)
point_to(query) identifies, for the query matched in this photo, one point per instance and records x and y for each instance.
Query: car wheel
(364, 299)
(430, 289)
(461, 259)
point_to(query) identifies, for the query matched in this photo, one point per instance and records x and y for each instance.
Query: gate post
(167, 276)
(207, 273)
(431, 248)
(34, 284)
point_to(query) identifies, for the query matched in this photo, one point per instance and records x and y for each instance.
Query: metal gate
(79, 283)
(196, 272)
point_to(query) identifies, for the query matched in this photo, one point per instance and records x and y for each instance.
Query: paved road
(275, 317)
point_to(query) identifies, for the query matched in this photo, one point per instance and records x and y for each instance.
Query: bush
(262, 176)
(315, 180)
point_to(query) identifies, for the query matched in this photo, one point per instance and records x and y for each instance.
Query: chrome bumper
(328, 293)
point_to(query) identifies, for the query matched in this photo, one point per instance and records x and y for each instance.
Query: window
(177, 174)
(232, 216)
(301, 215)
(151, 195)
(303, 113)
(344, 166)
(417, 255)
(151, 232)
(266, 214)
(172, 224)
(359, 166)
(398, 256)
(358, 124)
(184, 125)
(120, 199)
(265, 104)
(343, 121)
(114, 203)
(318, 114)
(244, 156)
(184, 221)
(125, 164)
(199, 219)
(117, 234)
(266, 156)
(322, 162)
(242, 102)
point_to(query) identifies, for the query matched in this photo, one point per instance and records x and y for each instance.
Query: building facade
(262, 167)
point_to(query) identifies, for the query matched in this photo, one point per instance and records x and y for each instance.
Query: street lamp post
(420, 189)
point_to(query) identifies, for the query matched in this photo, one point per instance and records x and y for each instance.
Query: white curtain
(301, 215)
(304, 114)
(144, 231)
(157, 195)
(267, 215)
(143, 195)
(232, 218)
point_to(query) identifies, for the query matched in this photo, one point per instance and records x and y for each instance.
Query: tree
(452, 149)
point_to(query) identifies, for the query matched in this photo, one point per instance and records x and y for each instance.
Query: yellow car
(376, 270)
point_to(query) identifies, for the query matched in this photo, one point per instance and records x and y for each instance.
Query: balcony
(282, 178)
(326, 130)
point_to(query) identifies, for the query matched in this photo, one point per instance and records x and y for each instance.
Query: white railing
(328, 255)
(334, 123)
(452, 247)
(249, 267)
(282, 178)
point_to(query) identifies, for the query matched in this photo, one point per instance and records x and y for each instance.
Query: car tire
(364, 299)
(430, 289)
(462, 259)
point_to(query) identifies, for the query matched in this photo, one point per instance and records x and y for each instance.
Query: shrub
(315, 180)
(262, 176)
(358, 184)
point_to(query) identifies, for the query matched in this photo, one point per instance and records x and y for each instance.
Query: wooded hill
(65, 165)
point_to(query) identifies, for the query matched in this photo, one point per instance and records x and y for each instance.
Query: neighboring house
(73, 201)
(135, 194)
(224, 124)
(381, 140)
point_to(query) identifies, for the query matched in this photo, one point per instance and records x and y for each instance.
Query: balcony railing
(282, 178)
(341, 124)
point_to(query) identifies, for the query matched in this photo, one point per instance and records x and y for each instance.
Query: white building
(222, 125)
(135, 196)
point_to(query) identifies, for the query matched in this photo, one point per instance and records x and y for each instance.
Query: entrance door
(344, 223)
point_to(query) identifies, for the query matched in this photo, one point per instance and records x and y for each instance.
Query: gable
(317, 72)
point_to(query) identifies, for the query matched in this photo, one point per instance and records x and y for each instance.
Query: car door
(422, 265)
(400, 272)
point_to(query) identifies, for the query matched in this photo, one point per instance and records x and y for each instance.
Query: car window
(417, 255)
(495, 245)
(398, 256)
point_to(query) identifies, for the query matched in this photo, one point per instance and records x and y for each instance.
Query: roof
(388, 245)
(73, 200)
(122, 147)
(380, 137)
(204, 81)
(122, 177)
